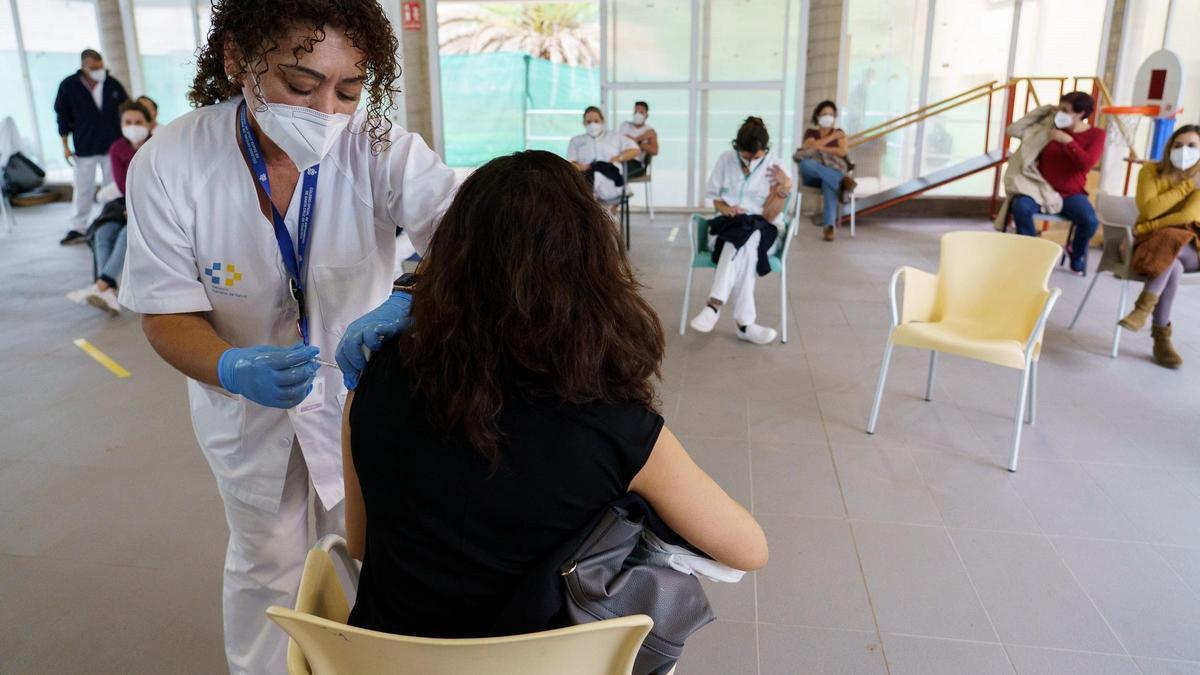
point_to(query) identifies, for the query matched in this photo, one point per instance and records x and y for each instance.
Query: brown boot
(1142, 309)
(848, 185)
(1164, 351)
(829, 234)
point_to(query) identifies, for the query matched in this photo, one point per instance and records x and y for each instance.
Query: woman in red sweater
(1074, 148)
(107, 233)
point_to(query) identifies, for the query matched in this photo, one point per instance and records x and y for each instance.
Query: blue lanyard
(293, 256)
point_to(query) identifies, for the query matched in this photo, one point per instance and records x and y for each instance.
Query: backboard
(1160, 82)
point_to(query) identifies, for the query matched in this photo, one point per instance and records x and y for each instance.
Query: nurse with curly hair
(262, 228)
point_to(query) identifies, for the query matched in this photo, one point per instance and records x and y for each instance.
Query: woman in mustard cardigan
(1168, 200)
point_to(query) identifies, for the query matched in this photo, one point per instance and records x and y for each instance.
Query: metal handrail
(863, 137)
(870, 130)
(969, 95)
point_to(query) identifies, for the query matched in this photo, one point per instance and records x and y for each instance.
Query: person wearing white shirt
(638, 131)
(749, 189)
(262, 226)
(599, 154)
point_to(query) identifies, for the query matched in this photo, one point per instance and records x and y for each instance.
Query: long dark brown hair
(257, 27)
(526, 288)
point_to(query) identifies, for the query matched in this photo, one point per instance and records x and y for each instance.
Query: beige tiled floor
(911, 551)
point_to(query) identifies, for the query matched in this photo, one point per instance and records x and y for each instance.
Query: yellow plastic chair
(322, 644)
(989, 301)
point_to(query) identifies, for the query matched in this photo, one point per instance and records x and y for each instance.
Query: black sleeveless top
(448, 538)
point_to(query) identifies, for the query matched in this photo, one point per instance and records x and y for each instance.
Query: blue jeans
(816, 174)
(108, 245)
(1076, 208)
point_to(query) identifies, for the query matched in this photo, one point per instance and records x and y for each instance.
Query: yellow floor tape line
(674, 233)
(101, 358)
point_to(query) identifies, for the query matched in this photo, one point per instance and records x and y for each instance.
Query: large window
(900, 55)
(12, 82)
(167, 40)
(54, 31)
(515, 75)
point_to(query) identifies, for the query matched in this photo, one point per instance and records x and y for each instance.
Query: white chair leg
(853, 210)
(1019, 422)
(1116, 342)
(883, 369)
(1087, 294)
(1031, 409)
(929, 380)
(687, 296)
(783, 320)
(650, 198)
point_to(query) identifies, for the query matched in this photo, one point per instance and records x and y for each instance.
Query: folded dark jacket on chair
(736, 230)
(606, 169)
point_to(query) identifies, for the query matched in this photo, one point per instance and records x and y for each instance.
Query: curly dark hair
(752, 136)
(526, 290)
(255, 27)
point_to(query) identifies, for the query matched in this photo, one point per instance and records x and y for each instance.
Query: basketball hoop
(1123, 124)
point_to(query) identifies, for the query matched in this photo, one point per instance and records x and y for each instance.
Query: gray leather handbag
(603, 580)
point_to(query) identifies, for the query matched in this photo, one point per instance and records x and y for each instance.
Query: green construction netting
(502, 102)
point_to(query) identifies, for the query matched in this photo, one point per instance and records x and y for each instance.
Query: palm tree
(561, 32)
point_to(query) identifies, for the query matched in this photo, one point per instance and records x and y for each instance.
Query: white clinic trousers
(262, 568)
(737, 274)
(85, 187)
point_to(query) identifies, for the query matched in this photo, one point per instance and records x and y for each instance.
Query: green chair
(701, 257)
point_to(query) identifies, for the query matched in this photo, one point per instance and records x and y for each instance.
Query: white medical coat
(198, 242)
(585, 150)
(730, 185)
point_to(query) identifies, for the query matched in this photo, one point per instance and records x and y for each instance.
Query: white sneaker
(79, 297)
(105, 300)
(759, 335)
(706, 320)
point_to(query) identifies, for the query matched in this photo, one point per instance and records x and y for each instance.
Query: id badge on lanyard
(293, 255)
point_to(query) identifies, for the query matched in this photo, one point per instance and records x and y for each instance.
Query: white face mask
(825, 121)
(1185, 157)
(304, 134)
(594, 129)
(1063, 120)
(98, 74)
(136, 134)
(639, 119)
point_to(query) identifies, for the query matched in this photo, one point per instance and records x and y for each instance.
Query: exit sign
(411, 14)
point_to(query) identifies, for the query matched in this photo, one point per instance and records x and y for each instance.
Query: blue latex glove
(277, 377)
(367, 334)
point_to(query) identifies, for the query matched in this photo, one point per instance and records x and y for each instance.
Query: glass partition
(167, 42)
(650, 41)
(55, 31)
(746, 40)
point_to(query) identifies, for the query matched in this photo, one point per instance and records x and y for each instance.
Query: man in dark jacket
(86, 107)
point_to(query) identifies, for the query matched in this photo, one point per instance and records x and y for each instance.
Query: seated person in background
(1166, 234)
(1074, 147)
(107, 232)
(644, 135)
(519, 405)
(152, 108)
(598, 153)
(822, 159)
(749, 189)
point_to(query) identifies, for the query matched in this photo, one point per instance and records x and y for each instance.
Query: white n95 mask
(98, 75)
(1185, 157)
(1063, 120)
(594, 129)
(304, 134)
(136, 134)
(825, 121)
(639, 119)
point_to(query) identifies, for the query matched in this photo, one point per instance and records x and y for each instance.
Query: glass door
(703, 67)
